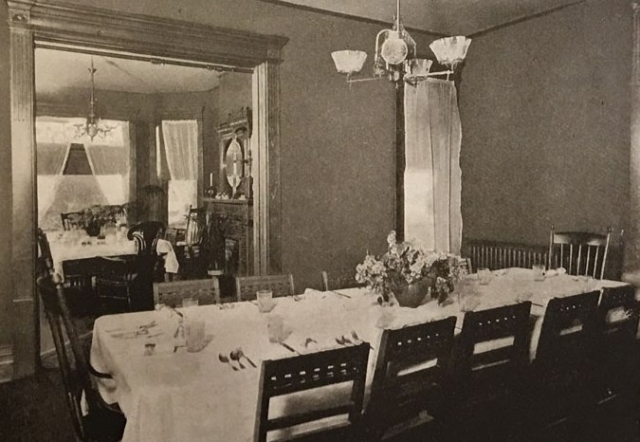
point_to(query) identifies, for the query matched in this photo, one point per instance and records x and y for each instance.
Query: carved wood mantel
(87, 29)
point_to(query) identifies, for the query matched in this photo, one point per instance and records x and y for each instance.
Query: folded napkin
(164, 247)
(556, 272)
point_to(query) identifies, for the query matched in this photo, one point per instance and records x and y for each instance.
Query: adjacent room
(396, 220)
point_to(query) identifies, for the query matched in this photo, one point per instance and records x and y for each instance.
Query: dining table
(75, 245)
(168, 393)
(71, 245)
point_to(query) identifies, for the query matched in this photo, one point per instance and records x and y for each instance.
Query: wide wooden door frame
(106, 32)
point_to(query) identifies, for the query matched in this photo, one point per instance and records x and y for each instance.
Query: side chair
(280, 285)
(206, 291)
(411, 368)
(490, 371)
(580, 253)
(564, 370)
(618, 316)
(288, 379)
(337, 281)
(103, 422)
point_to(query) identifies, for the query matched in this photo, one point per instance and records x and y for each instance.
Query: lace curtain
(433, 179)
(181, 147)
(108, 158)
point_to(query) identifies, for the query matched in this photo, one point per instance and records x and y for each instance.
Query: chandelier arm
(360, 80)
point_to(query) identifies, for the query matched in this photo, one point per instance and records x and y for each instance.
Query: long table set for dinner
(192, 373)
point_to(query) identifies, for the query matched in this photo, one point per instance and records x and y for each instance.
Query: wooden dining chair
(78, 281)
(98, 421)
(490, 366)
(617, 350)
(280, 285)
(206, 291)
(411, 368)
(286, 379)
(564, 368)
(145, 235)
(115, 285)
(337, 281)
(580, 253)
(44, 261)
(190, 247)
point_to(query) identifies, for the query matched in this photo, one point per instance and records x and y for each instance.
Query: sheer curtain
(109, 161)
(51, 159)
(181, 147)
(432, 178)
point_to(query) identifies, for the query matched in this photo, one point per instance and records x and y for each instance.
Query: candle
(211, 179)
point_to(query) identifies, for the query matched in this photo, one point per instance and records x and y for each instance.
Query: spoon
(242, 355)
(236, 357)
(225, 360)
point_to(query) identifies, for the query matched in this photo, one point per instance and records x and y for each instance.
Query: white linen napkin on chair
(164, 248)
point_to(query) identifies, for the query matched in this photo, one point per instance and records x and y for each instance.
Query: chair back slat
(296, 374)
(580, 253)
(280, 285)
(569, 329)
(206, 291)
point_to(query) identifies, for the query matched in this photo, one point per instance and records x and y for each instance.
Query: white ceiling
(449, 17)
(58, 70)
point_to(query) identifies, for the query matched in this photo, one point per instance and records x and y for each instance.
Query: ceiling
(58, 70)
(448, 17)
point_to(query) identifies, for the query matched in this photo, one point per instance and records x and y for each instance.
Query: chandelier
(91, 127)
(396, 56)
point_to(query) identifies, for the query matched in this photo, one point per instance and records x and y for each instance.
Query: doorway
(102, 32)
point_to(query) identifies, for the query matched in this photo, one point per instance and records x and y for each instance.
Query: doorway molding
(98, 31)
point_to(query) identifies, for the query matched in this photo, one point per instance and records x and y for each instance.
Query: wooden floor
(34, 410)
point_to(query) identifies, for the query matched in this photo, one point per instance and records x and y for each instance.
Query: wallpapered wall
(545, 108)
(337, 143)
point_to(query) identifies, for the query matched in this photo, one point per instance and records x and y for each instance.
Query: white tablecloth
(87, 247)
(181, 396)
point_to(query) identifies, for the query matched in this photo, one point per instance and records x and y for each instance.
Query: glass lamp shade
(394, 50)
(451, 50)
(349, 61)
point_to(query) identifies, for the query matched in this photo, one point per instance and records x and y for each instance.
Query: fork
(225, 360)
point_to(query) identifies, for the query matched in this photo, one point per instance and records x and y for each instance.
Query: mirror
(234, 165)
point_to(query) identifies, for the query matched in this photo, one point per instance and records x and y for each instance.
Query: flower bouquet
(409, 273)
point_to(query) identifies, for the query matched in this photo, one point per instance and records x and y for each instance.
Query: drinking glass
(275, 328)
(484, 276)
(189, 302)
(265, 300)
(538, 272)
(195, 335)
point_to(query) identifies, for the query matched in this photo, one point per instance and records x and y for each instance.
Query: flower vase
(93, 229)
(411, 295)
